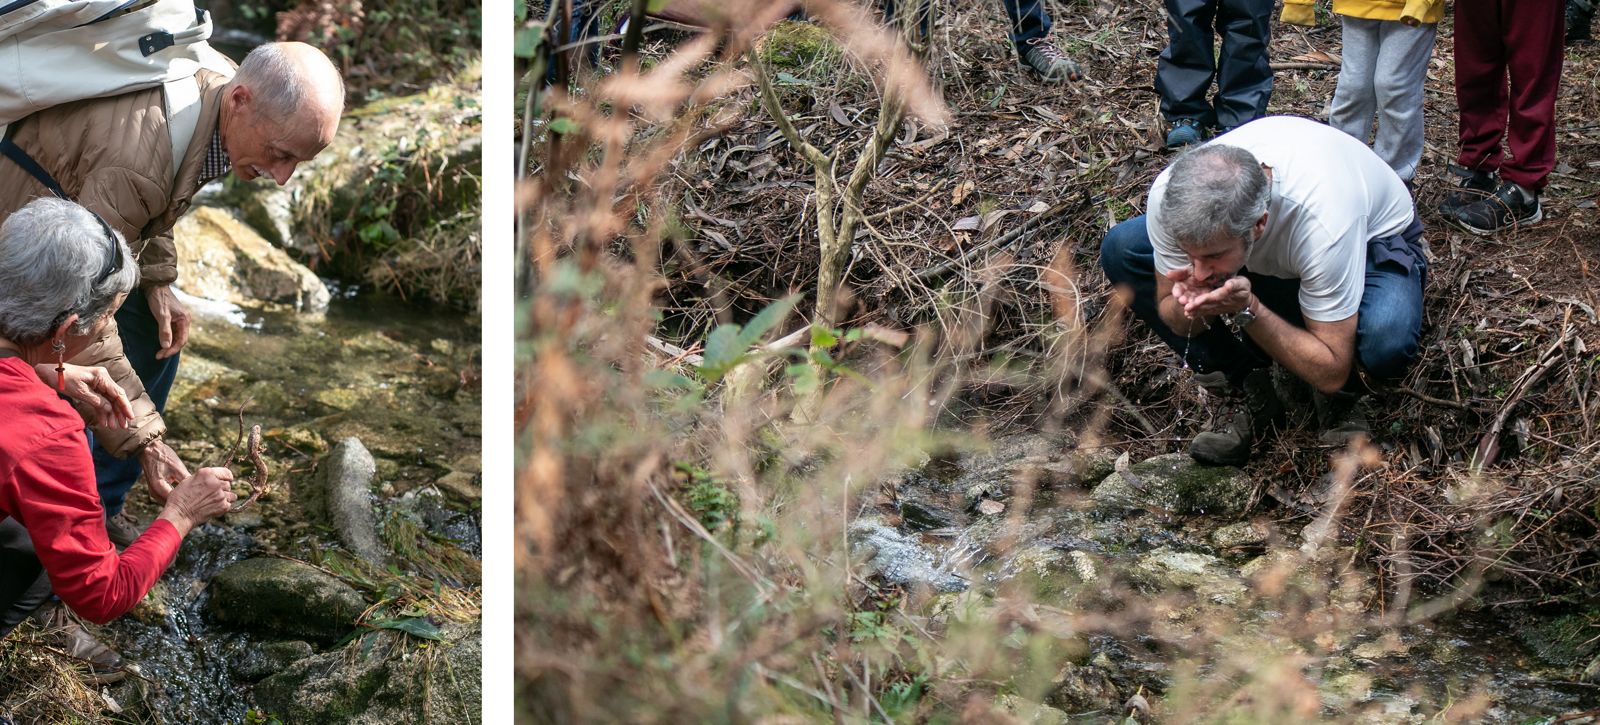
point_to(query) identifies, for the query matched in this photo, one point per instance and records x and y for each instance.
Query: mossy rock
(269, 658)
(794, 45)
(1180, 484)
(384, 677)
(286, 597)
(1568, 641)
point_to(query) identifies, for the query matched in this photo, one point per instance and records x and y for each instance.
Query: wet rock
(1055, 577)
(923, 506)
(1244, 534)
(1342, 690)
(1167, 570)
(153, 608)
(341, 496)
(384, 677)
(466, 486)
(899, 558)
(269, 658)
(1081, 688)
(1177, 483)
(221, 258)
(287, 597)
(269, 209)
(1029, 712)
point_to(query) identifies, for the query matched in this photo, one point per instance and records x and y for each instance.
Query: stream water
(1370, 674)
(400, 377)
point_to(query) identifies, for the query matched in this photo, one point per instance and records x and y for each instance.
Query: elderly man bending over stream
(62, 274)
(1284, 241)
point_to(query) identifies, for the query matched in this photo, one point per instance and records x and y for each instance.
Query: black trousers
(1188, 64)
(23, 584)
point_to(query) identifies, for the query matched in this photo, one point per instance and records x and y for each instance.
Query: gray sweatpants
(1384, 65)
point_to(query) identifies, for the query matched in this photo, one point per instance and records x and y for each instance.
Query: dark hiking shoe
(122, 530)
(64, 632)
(1185, 132)
(1580, 16)
(1511, 206)
(1476, 185)
(1248, 416)
(1041, 56)
(1340, 417)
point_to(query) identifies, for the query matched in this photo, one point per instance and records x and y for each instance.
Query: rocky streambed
(350, 592)
(1180, 591)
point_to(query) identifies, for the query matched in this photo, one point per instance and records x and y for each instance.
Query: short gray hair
(52, 253)
(1214, 190)
(275, 81)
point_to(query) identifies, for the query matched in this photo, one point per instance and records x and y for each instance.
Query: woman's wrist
(175, 517)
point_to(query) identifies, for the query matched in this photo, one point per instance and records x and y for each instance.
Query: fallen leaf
(990, 507)
(959, 194)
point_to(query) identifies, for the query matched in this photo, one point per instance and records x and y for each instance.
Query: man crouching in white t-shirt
(1282, 241)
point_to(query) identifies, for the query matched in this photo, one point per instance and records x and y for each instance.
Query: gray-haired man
(1283, 241)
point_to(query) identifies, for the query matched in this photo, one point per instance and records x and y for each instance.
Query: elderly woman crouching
(63, 272)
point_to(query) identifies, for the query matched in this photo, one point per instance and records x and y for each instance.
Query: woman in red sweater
(63, 272)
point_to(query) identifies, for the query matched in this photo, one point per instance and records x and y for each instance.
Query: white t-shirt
(1330, 196)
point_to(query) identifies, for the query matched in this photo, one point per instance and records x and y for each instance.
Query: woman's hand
(204, 496)
(162, 468)
(93, 387)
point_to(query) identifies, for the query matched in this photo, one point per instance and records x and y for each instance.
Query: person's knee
(1389, 347)
(1119, 248)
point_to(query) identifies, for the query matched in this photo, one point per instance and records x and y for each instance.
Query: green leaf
(823, 337)
(722, 352)
(563, 126)
(854, 334)
(823, 358)
(528, 40)
(414, 626)
(766, 320)
(789, 79)
(804, 376)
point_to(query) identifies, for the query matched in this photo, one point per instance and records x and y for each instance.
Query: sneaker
(1041, 56)
(1580, 15)
(1248, 416)
(1511, 206)
(1340, 417)
(1185, 132)
(122, 530)
(64, 632)
(1476, 184)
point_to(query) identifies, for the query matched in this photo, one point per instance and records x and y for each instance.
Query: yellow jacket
(1304, 12)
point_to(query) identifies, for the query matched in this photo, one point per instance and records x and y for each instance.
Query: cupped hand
(163, 469)
(202, 497)
(1233, 296)
(172, 320)
(94, 387)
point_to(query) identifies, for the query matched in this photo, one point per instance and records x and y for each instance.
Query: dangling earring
(60, 349)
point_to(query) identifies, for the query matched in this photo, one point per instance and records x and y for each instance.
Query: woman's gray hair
(1215, 190)
(277, 82)
(52, 254)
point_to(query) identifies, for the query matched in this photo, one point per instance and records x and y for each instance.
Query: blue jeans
(137, 328)
(1388, 322)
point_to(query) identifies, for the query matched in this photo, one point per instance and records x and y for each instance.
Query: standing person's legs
(137, 327)
(1244, 71)
(1402, 64)
(23, 584)
(1533, 39)
(1354, 100)
(1187, 65)
(1029, 21)
(1481, 93)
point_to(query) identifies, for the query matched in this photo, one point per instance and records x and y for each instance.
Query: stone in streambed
(384, 677)
(1165, 570)
(341, 496)
(269, 658)
(1177, 483)
(287, 597)
(898, 558)
(222, 258)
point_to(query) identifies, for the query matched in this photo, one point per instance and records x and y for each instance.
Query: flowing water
(402, 378)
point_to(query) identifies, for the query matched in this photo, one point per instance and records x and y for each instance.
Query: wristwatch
(1238, 321)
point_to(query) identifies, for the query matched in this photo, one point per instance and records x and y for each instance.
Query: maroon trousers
(1519, 39)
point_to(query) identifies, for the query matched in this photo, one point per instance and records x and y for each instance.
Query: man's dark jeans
(1028, 19)
(137, 327)
(1188, 64)
(1388, 324)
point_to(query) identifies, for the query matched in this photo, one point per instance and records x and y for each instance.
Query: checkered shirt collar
(216, 162)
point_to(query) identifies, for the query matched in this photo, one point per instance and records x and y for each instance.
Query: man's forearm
(1297, 350)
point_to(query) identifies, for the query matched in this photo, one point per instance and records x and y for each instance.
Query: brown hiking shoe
(122, 530)
(1340, 418)
(64, 632)
(1248, 415)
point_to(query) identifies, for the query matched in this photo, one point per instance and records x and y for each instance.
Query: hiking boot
(1185, 132)
(1041, 56)
(1340, 417)
(122, 530)
(1476, 184)
(64, 632)
(1511, 206)
(1580, 15)
(1248, 416)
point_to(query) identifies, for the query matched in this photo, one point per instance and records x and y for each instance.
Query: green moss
(1568, 641)
(795, 45)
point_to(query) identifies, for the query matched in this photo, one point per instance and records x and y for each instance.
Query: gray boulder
(222, 258)
(384, 677)
(287, 597)
(259, 661)
(341, 496)
(1166, 570)
(1177, 483)
(898, 558)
